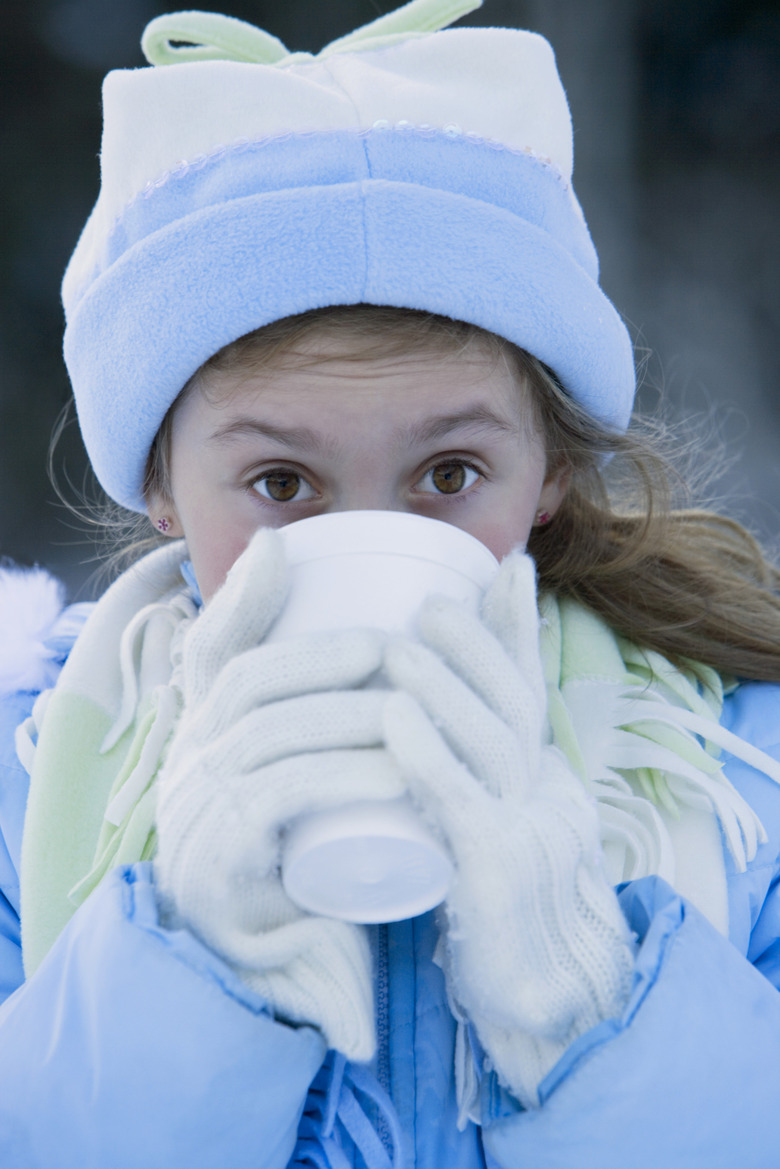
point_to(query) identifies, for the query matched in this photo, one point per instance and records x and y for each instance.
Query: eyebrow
(480, 417)
(300, 437)
(305, 438)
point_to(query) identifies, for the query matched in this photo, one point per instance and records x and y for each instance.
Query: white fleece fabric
(30, 603)
(179, 115)
(430, 173)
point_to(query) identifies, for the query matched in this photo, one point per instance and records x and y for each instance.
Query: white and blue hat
(401, 166)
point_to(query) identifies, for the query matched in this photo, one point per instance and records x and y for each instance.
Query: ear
(553, 491)
(163, 518)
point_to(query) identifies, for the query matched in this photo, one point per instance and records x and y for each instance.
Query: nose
(373, 506)
(372, 497)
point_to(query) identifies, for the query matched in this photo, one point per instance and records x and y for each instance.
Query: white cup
(372, 861)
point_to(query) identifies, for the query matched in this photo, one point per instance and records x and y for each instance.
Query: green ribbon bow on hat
(207, 36)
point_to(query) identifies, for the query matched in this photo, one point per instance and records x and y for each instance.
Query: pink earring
(163, 524)
(542, 517)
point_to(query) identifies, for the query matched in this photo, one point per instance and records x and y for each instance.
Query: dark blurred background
(676, 108)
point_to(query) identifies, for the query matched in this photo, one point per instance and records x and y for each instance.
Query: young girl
(362, 280)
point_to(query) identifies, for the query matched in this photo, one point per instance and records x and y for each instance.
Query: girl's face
(451, 438)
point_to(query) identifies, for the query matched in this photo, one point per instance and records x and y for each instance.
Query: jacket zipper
(383, 1028)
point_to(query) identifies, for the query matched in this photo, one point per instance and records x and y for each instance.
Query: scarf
(643, 736)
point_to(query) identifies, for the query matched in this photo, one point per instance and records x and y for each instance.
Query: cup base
(367, 873)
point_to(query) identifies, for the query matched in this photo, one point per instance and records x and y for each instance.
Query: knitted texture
(430, 172)
(635, 730)
(538, 951)
(96, 744)
(269, 732)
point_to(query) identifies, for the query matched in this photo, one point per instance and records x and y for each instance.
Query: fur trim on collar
(30, 602)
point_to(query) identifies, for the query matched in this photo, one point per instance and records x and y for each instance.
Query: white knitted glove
(538, 951)
(268, 732)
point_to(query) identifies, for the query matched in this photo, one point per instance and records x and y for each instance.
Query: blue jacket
(134, 1046)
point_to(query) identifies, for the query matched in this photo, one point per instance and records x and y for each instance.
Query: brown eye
(449, 478)
(283, 486)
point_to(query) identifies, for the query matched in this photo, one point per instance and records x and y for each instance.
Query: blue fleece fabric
(403, 218)
(133, 1045)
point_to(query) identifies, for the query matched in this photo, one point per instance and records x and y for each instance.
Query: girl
(362, 280)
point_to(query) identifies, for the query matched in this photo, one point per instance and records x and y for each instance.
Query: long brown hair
(687, 582)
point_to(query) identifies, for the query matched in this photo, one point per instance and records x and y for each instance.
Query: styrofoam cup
(374, 568)
(372, 861)
(369, 861)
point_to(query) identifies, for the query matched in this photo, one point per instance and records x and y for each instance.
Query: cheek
(212, 560)
(214, 543)
(500, 533)
(500, 539)
(509, 520)
(216, 524)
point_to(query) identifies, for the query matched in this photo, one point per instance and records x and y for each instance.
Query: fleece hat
(402, 166)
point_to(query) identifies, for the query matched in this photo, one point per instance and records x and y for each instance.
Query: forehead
(399, 398)
(343, 363)
(336, 386)
(361, 413)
